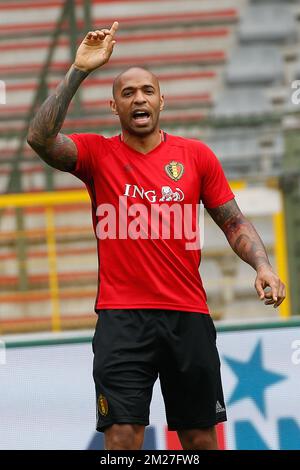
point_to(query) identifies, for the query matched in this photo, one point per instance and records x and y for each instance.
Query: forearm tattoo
(240, 234)
(56, 149)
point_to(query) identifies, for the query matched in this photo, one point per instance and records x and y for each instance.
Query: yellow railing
(43, 199)
(48, 201)
(52, 264)
(281, 260)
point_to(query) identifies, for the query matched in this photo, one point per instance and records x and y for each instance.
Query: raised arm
(44, 137)
(246, 243)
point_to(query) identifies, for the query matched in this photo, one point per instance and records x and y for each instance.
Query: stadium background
(229, 71)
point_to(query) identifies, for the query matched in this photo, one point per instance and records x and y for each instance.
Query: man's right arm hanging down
(55, 148)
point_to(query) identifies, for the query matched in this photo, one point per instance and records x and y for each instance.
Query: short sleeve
(215, 189)
(84, 163)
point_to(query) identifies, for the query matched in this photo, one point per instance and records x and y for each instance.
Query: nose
(139, 97)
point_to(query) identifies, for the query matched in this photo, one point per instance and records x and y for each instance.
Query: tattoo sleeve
(43, 136)
(240, 233)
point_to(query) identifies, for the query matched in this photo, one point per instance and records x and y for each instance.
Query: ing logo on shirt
(174, 170)
(167, 194)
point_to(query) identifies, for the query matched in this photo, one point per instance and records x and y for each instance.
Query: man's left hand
(266, 277)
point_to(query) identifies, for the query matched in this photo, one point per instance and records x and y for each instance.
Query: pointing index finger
(114, 28)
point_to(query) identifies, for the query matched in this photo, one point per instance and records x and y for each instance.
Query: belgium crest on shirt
(174, 170)
(102, 405)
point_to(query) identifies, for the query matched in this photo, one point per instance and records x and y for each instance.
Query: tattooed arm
(246, 243)
(54, 148)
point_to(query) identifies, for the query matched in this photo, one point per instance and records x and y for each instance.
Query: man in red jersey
(153, 317)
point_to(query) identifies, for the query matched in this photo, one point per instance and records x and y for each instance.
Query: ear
(113, 106)
(162, 102)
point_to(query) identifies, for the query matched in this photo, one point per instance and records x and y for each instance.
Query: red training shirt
(140, 266)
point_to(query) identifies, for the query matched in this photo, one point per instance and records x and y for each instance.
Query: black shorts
(133, 347)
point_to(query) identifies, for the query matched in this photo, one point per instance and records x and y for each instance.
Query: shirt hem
(160, 306)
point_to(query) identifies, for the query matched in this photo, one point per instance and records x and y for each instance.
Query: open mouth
(141, 117)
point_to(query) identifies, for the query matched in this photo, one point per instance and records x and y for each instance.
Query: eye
(149, 91)
(127, 93)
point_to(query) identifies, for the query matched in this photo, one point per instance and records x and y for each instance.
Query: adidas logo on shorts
(219, 408)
